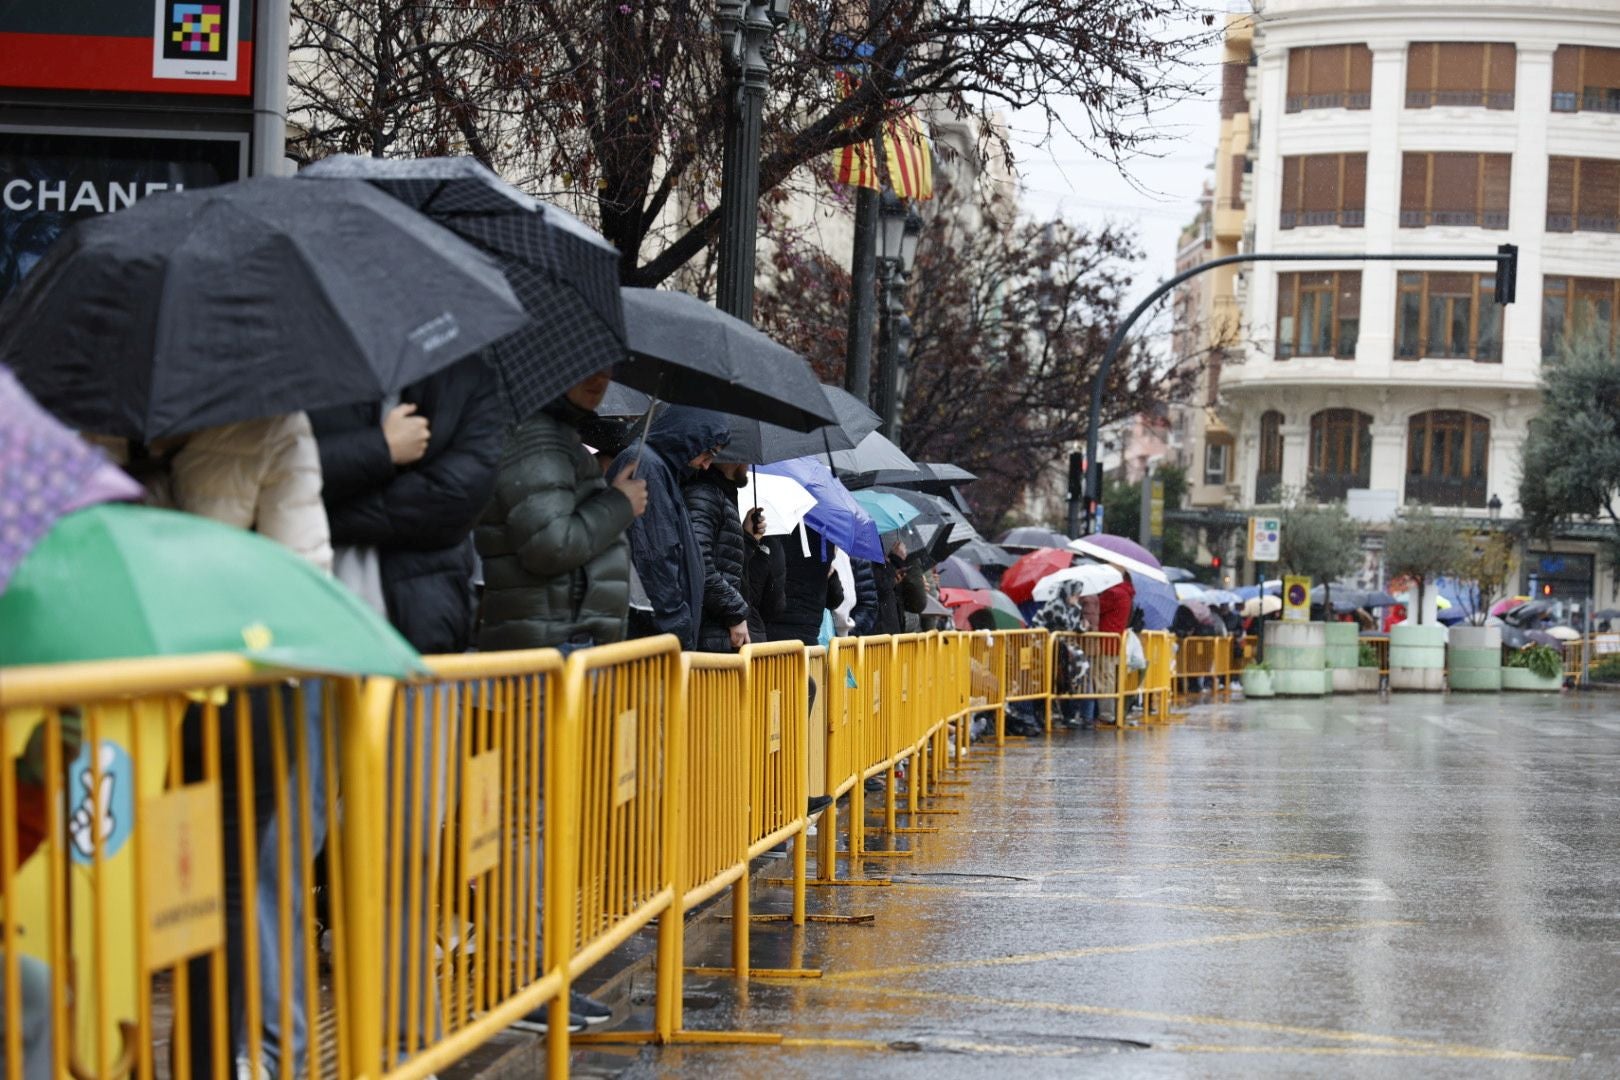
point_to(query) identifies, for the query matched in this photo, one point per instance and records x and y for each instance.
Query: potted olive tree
(1474, 650)
(1420, 547)
(1322, 543)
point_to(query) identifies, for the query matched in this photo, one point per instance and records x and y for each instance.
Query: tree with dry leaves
(619, 105)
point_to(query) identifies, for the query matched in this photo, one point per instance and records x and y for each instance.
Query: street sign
(1265, 539)
(1296, 599)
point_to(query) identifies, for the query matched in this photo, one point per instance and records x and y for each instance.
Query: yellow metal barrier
(1090, 667)
(1575, 653)
(144, 803)
(1199, 659)
(1380, 647)
(1159, 645)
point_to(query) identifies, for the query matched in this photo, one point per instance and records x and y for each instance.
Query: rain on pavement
(1356, 886)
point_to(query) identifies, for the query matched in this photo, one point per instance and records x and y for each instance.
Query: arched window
(1341, 452)
(1268, 475)
(1446, 456)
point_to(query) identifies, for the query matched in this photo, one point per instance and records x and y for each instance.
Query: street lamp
(899, 229)
(746, 28)
(1495, 507)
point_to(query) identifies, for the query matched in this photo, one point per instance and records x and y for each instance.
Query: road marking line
(1203, 864)
(1119, 901)
(1108, 950)
(1391, 1042)
(1475, 1053)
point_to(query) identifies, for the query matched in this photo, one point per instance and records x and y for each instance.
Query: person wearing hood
(711, 502)
(663, 549)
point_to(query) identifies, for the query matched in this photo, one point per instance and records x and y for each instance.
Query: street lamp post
(746, 29)
(899, 230)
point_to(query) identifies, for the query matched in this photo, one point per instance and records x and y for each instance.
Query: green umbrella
(1005, 612)
(119, 581)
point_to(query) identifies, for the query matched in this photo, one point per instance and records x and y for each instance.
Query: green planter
(1367, 679)
(1474, 659)
(1515, 678)
(1257, 683)
(1417, 658)
(1297, 655)
(1343, 642)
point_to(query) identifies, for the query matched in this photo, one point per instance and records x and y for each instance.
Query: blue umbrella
(889, 512)
(1250, 592)
(836, 515)
(1157, 601)
(1177, 574)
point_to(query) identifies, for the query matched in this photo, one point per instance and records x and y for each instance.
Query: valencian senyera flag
(908, 154)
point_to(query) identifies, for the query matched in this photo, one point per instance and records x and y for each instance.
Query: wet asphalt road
(1363, 887)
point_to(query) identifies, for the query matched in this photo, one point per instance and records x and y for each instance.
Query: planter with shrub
(1534, 667)
(1368, 675)
(1257, 680)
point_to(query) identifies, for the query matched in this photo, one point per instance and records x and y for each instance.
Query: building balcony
(1603, 223)
(1348, 99)
(1335, 486)
(1569, 101)
(1305, 219)
(1484, 219)
(1489, 99)
(1466, 491)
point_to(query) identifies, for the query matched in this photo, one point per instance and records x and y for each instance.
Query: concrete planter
(1367, 679)
(1417, 658)
(1343, 641)
(1297, 653)
(1257, 683)
(1474, 659)
(1518, 678)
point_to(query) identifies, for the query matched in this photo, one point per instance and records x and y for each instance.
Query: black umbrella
(685, 352)
(1030, 537)
(565, 273)
(936, 477)
(874, 454)
(252, 299)
(755, 442)
(935, 510)
(984, 553)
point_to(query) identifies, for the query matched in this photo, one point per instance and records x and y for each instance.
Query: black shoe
(817, 804)
(875, 784)
(540, 1020)
(590, 1010)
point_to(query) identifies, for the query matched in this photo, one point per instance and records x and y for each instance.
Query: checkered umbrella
(565, 274)
(213, 305)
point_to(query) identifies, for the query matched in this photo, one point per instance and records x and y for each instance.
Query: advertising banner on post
(1296, 599)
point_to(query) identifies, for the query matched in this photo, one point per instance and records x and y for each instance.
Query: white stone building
(1422, 127)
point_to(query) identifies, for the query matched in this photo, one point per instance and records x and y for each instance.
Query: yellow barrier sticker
(624, 757)
(180, 874)
(978, 701)
(481, 815)
(776, 721)
(877, 690)
(905, 683)
(1026, 657)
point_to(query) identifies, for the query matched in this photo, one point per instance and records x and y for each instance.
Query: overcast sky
(1159, 194)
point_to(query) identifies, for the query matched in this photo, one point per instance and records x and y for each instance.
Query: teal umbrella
(888, 512)
(115, 582)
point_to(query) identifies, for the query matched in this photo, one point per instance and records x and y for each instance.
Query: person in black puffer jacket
(865, 615)
(556, 561)
(711, 501)
(417, 516)
(812, 588)
(764, 576)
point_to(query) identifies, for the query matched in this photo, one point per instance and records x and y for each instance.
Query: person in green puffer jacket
(556, 562)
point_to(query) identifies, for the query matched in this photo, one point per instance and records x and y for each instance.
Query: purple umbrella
(958, 573)
(836, 515)
(1541, 637)
(46, 472)
(1123, 553)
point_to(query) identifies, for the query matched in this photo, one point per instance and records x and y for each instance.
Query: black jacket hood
(681, 434)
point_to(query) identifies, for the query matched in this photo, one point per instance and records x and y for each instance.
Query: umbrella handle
(646, 427)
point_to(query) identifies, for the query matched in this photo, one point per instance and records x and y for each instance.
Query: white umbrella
(1107, 549)
(1187, 590)
(1267, 604)
(1564, 633)
(1093, 578)
(784, 500)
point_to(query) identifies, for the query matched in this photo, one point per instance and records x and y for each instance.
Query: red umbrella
(964, 604)
(1019, 580)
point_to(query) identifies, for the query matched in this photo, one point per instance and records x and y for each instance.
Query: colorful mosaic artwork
(197, 29)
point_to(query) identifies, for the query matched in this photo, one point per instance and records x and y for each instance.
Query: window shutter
(1495, 198)
(1321, 183)
(1360, 69)
(1461, 67)
(1560, 193)
(1600, 190)
(1299, 67)
(1455, 188)
(1602, 69)
(1354, 196)
(1290, 190)
(1414, 184)
(1567, 69)
(1420, 67)
(1501, 74)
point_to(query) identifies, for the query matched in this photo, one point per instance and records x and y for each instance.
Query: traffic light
(1215, 562)
(1507, 273)
(1077, 474)
(1546, 590)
